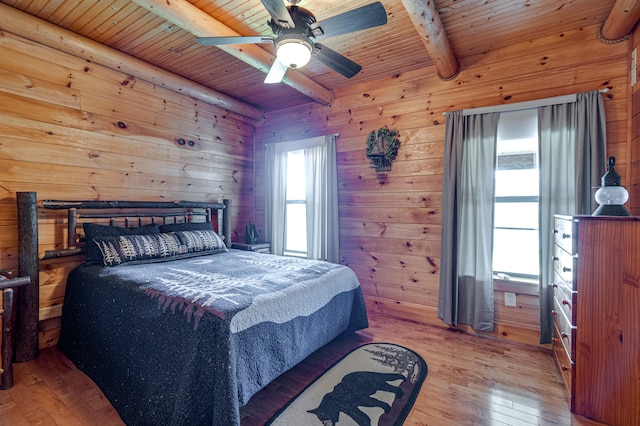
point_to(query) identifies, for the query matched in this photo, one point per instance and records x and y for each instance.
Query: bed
(177, 329)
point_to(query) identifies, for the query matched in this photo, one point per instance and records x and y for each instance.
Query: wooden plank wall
(390, 228)
(633, 183)
(71, 129)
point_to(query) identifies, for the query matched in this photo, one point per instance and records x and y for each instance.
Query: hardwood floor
(471, 381)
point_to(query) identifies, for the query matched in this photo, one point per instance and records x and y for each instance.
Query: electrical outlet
(509, 299)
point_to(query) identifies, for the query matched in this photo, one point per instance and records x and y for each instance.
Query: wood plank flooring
(471, 381)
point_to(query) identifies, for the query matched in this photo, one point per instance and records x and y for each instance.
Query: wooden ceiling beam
(191, 19)
(623, 17)
(35, 29)
(425, 18)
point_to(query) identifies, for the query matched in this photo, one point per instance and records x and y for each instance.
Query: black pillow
(186, 226)
(94, 230)
(201, 241)
(136, 249)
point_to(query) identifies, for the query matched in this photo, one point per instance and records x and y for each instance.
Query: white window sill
(516, 285)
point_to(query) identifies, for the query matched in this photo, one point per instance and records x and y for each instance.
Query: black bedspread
(188, 342)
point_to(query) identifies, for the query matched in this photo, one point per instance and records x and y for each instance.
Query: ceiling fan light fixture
(294, 53)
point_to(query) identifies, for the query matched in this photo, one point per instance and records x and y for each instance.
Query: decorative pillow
(94, 230)
(186, 226)
(138, 248)
(135, 249)
(201, 241)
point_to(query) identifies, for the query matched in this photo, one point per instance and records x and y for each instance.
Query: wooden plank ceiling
(473, 27)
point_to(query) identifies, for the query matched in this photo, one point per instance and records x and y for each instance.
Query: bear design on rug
(355, 390)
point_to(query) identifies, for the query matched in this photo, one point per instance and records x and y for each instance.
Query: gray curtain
(466, 279)
(572, 146)
(275, 196)
(323, 233)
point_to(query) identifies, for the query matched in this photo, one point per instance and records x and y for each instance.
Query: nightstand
(258, 247)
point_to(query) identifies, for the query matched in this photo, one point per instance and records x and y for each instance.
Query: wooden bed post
(8, 289)
(26, 342)
(226, 222)
(71, 228)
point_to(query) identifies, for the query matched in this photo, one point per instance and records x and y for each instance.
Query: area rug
(375, 384)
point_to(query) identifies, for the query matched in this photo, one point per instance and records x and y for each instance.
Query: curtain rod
(336, 135)
(524, 105)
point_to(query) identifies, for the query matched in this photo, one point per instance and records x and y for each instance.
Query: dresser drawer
(563, 233)
(567, 331)
(565, 365)
(566, 297)
(564, 265)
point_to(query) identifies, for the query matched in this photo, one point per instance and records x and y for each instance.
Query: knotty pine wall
(61, 137)
(390, 227)
(72, 129)
(633, 183)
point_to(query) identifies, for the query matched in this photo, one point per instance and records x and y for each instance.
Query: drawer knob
(565, 236)
(555, 341)
(554, 313)
(564, 368)
(564, 335)
(565, 302)
(554, 285)
(555, 231)
(555, 258)
(565, 269)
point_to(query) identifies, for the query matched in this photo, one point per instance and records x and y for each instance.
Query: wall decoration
(382, 148)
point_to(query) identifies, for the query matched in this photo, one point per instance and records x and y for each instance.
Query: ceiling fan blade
(276, 73)
(279, 13)
(217, 41)
(371, 15)
(336, 61)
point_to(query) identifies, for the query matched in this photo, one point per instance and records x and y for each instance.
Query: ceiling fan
(296, 31)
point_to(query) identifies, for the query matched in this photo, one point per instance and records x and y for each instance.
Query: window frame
(294, 201)
(518, 279)
(517, 199)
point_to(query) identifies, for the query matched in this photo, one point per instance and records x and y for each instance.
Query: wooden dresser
(597, 315)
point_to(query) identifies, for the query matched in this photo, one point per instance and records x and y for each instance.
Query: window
(296, 205)
(301, 198)
(515, 242)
